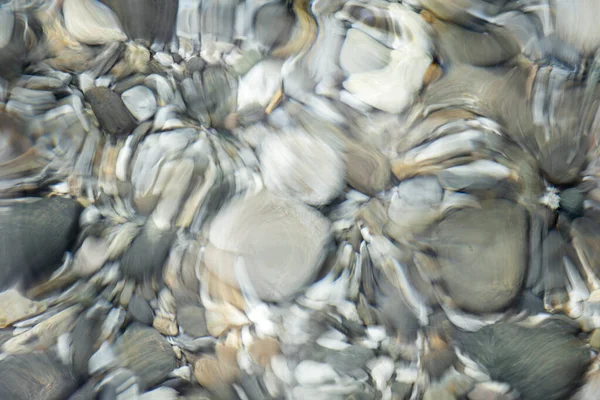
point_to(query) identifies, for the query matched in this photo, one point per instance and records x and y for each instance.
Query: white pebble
(102, 359)
(382, 369)
(140, 102)
(312, 373)
(376, 333)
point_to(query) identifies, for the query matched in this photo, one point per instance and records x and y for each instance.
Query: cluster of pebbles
(327, 199)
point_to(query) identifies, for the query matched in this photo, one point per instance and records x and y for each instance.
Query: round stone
(279, 243)
(483, 255)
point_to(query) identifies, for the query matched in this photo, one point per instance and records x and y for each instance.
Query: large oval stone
(483, 254)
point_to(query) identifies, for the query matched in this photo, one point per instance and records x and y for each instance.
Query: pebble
(16, 307)
(91, 22)
(349, 359)
(192, 321)
(368, 170)
(214, 374)
(267, 222)
(165, 326)
(437, 393)
(401, 391)
(482, 254)
(437, 362)
(140, 102)
(595, 340)
(141, 310)
(300, 166)
(263, 350)
(145, 352)
(312, 373)
(112, 114)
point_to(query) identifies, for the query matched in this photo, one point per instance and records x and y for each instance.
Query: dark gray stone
(541, 363)
(34, 237)
(146, 352)
(35, 376)
(112, 114)
(141, 310)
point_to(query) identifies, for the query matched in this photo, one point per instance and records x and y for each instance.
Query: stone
(303, 167)
(257, 226)
(35, 376)
(262, 350)
(140, 102)
(437, 393)
(192, 321)
(145, 352)
(595, 340)
(16, 307)
(437, 362)
(368, 171)
(401, 390)
(164, 326)
(540, 363)
(91, 22)
(112, 114)
(482, 255)
(35, 236)
(141, 310)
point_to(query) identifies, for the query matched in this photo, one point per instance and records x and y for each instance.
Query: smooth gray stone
(84, 340)
(146, 256)
(483, 254)
(147, 353)
(349, 359)
(273, 23)
(587, 231)
(35, 376)
(437, 362)
(34, 237)
(401, 390)
(14, 54)
(192, 320)
(541, 363)
(141, 310)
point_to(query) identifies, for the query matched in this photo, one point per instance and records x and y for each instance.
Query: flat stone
(147, 353)
(361, 53)
(483, 255)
